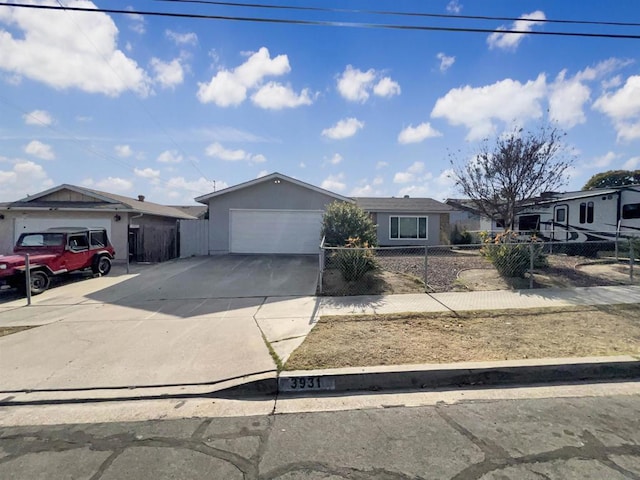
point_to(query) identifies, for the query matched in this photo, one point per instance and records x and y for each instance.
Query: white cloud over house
(506, 40)
(123, 151)
(167, 74)
(356, 85)
(181, 39)
(216, 150)
(69, 49)
(344, 128)
(622, 106)
(334, 183)
(22, 178)
(446, 61)
(40, 150)
(40, 118)
(170, 156)
(109, 184)
(231, 87)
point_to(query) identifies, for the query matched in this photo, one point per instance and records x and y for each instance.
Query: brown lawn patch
(369, 340)
(9, 330)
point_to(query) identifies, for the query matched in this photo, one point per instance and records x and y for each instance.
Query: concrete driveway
(187, 326)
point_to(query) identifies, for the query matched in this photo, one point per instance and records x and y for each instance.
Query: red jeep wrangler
(56, 251)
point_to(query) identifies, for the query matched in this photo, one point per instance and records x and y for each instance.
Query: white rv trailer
(584, 216)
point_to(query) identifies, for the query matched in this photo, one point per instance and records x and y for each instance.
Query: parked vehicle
(54, 252)
(584, 216)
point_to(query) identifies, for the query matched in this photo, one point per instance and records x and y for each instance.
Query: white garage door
(275, 231)
(34, 224)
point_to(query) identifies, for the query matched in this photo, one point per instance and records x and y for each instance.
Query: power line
(324, 23)
(405, 14)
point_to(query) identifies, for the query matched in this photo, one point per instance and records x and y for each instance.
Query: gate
(194, 238)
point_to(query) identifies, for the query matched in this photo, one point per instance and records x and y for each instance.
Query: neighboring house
(408, 221)
(466, 216)
(147, 230)
(271, 214)
(197, 211)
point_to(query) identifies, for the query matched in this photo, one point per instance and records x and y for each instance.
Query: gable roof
(402, 204)
(103, 201)
(268, 178)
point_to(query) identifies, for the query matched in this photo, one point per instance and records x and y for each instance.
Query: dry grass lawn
(9, 330)
(369, 340)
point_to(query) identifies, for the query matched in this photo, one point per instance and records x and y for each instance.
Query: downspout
(128, 228)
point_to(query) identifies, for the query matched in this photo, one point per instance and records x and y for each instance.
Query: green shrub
(354, 260)
(342, 221)
(511, 257)
(461, 237)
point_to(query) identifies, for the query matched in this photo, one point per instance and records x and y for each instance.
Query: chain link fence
(499, 262)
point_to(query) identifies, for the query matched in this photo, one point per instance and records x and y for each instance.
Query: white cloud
(345, 128)
(38, 117)
(302, 165)
(446, 62)
(413, 173)
(275, 96)
(632, 163)
(440, 187)
(229, 87)
(623, 108)
(179, 187)
(378, 180)
(148, 173)
(416, 167)
(363, 191)
(69, 50)
(123, 151)
(170, 156)
(179, 39)
(336, 159)
(603, 160)
(380, 165)
(24, 177)
(417, 134)
(454, 6)
(216, 150)
(168, 74)
(110, 184)
(262, 173)
(613, 82)
(40, 150)
(478, 108)
(510, 41)
(137, 22)
(387, 88)
(334, 183)
(403, 177)
(566, 100)
(355, 85)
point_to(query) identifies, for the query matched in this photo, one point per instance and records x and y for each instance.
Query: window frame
(625, 211)
(418, 218)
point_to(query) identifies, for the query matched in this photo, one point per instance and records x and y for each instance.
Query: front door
(560, 223)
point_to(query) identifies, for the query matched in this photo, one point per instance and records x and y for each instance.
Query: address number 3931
(296, 384)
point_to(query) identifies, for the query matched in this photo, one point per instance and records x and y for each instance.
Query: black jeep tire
(101, 265)
(39, 282)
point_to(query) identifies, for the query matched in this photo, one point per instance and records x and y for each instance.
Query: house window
(408, 227)
(586, 212)
(528, 223)
(631, 210)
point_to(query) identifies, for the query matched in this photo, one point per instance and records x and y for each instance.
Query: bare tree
(513, 169)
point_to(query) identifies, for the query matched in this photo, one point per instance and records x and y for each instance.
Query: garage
(36, 224)
(275, 231)
(272, 214)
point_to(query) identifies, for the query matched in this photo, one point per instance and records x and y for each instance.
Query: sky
(176, 107)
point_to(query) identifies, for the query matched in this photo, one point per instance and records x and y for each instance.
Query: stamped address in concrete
(303, 384)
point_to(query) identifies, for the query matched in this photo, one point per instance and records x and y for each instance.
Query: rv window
(631, 210)
(590, 212)
(529, 223)
(561, 215)
(583, 212)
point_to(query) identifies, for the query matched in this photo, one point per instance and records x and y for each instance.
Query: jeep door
(78, 254)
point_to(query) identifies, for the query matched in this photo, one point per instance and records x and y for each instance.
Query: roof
(268, 178)
(103, 201)
(194, 210)
(402, 204)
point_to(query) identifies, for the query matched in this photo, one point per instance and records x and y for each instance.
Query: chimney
(141, 198)
(406, 196)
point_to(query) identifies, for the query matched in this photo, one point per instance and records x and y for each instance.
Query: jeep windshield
(41, 240)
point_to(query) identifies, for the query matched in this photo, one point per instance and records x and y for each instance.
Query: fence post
(531, 265)
(426, 266)
(632, 257)
(27, 277)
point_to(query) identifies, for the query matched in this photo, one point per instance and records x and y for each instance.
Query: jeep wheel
(102, 265)
(39, 282)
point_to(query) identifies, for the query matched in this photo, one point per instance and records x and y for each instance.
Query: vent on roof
(141, 198)
(406, 196)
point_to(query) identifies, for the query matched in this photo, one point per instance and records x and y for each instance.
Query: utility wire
(405, 14)
(325, 23)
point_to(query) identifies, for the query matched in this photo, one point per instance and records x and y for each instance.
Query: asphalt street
(545, 438)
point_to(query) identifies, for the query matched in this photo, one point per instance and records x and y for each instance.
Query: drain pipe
(128, 228)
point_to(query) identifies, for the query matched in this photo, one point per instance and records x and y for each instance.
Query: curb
(473, 374)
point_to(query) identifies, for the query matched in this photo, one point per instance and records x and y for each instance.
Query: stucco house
(147, 230)
(406, 221)
(466, 216)
(270, 214)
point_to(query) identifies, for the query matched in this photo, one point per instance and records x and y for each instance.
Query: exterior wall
(267, 195)
(66, 196)
(433, 229)
(117, 234)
